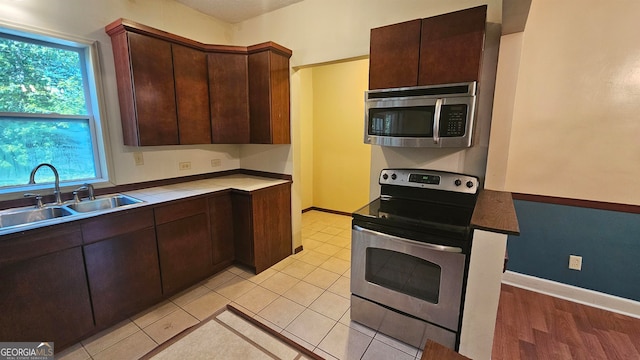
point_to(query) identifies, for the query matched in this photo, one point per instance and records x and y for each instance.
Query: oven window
(403, 273)
(406, 122)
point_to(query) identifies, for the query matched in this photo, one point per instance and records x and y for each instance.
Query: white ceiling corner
(235, 11)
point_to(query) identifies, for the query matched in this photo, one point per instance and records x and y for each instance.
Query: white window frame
(94, 97)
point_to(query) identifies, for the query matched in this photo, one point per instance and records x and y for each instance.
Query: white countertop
(161, 194)
(241, 182)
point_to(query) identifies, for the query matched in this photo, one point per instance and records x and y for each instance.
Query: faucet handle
(38, 199)
(85, 186)
(89, 187)
(76, 198)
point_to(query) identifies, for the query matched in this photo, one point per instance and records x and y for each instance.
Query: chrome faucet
(56, 190)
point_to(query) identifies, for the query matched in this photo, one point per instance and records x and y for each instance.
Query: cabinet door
(229, 98)
(451, 47)
(271, 211)
(269, 98)
(184, 243)
(124, 275)
(46, 299)
(243, 228)
(394, 55)
(153, 91)
(192, 95)
(221, 219)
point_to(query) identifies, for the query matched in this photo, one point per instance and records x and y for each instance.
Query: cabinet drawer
(38, 242)
(119, 223)
(179, 210)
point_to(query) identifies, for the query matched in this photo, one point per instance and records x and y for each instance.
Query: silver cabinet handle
(436, 121)
(444, 248)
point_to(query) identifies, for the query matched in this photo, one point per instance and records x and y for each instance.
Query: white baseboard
(573, 293)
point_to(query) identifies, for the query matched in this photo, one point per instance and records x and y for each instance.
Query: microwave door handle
(436, 121)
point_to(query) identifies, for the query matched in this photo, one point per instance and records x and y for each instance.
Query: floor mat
(230, 334)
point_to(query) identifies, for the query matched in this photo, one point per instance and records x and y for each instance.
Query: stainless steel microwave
(423, 116)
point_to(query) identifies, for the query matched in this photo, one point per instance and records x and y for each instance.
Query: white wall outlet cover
(575, 262)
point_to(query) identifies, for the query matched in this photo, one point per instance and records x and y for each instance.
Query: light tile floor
(305, 297)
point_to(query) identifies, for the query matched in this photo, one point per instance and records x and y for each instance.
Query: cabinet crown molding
(122, 25)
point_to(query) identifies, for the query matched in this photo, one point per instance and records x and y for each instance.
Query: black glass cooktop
(418, 216)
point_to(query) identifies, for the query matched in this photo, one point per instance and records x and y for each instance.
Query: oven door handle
(443, 248)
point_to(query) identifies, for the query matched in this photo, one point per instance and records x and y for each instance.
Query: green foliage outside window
(37, 78)
(40, 79)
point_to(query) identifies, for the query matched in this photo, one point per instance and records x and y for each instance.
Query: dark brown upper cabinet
(190, 72)
(451, 47)
(229, 97)
(437, 50)
(144, 71)
(175, 90)
(269, 94)
(394, 55)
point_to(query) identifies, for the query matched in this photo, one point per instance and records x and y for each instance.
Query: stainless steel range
(410, 255)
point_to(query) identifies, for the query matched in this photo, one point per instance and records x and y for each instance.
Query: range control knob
(385, 176)
(458, 182)
(469, 184)
(393, 176)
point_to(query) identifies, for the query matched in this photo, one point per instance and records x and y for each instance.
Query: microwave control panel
(453, 120)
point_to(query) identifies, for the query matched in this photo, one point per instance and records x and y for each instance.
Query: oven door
(419, 279)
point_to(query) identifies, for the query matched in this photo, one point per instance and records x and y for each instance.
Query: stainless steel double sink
(29, 215)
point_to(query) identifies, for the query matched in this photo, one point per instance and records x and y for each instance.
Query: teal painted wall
(608, 241)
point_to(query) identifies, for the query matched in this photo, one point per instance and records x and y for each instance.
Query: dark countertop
(495, 212)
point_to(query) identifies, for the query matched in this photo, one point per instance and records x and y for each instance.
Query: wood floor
(536, 326)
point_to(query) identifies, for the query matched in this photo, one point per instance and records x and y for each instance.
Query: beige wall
(503, 104)
(575, 130)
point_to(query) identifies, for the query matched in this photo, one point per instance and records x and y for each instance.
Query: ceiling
(234, 11)
(514, 12)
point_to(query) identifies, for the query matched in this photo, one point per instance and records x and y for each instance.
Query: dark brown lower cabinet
(122, 264)
(64, 282)
(221, 220)
(262, 226)
(123, 275)
(46, 299)
(184, 243)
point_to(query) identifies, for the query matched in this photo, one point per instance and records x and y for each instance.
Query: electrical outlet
(216, 162)
(575, 262)
(185, 165)
(138, 158)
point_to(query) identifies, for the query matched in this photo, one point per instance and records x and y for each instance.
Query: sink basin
(26, 216)
(18, 217)
(103, 203)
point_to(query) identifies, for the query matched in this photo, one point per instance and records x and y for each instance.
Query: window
(48, 110)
